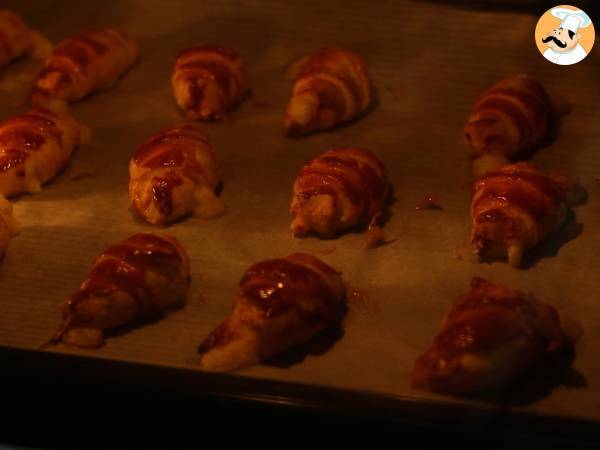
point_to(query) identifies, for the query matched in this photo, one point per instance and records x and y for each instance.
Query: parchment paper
(428, 62)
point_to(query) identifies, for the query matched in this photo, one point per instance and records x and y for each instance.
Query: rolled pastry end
(301, 114)
(515, 255)
(42, 47)
(319, 213)
(487, 163)
(84, 337)
(39, 99)
(203, 100)
(208, 205)
(492, 242)
(228, 349)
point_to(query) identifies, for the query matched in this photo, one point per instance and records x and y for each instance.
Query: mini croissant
(8, 226)
(83, 64)
(34, 147)
(16, 39)
(136, 279)
(515, 207)
(511, 118)
(209, 81)
(491, 337)
(174, 174)
(333, 87)
(282, 303)
(340, 189)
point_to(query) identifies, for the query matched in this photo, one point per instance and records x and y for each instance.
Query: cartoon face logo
(561, 35)
(561, 40)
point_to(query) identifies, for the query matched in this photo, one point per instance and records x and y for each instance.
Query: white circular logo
(564, 35)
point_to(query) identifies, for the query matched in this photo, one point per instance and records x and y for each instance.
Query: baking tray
(428, 62)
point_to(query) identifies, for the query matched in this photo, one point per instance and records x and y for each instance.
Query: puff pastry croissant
(8, 226)
(136, 279)
(515, 207)
(208, 81)
(491, 337)
(34, 147)
(16, 39)
(80, 65)
(174, 174)
(340, 189)
(512, 117)
(333, 87)
(281, 303)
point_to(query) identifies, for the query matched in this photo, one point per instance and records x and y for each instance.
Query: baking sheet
(428, 62)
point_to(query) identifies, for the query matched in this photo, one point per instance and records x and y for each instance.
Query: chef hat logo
(571, 19)
(565, 35)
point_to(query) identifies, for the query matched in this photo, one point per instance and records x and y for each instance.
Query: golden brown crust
(34, 148)
(16, 39)
(333, 87)
(281, 303)
(514, 208)
(82, 64)
(338, 190)
(174, 174)
(209, 81)
(491, 336)
(136, 279)
(510, 118)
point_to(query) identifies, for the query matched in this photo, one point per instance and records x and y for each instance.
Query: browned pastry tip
(492, 336)
(282, 303)
(333, 87)
(209, 81)
(516, 207)
(83, 64)
(508, 120)
(173, 174)
(138, 278)
(338, 190)
(34, 148)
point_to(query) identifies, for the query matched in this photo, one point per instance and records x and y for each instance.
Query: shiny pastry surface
(175, 174)
(281, 303)
(333, 87)
(516, 207)
(34, 148)
(209, 81)
(338, 190)
(508, 120)
(83, 64)
(491, 336)
(136, 279)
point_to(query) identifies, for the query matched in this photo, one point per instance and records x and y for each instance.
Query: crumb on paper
(82, 176)
(458, 254)
(429, 202)
(360, 303)
(394, 91)
(200, 300)
(375, 233)
(464, 251)
(325, 250)
(375, 236)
